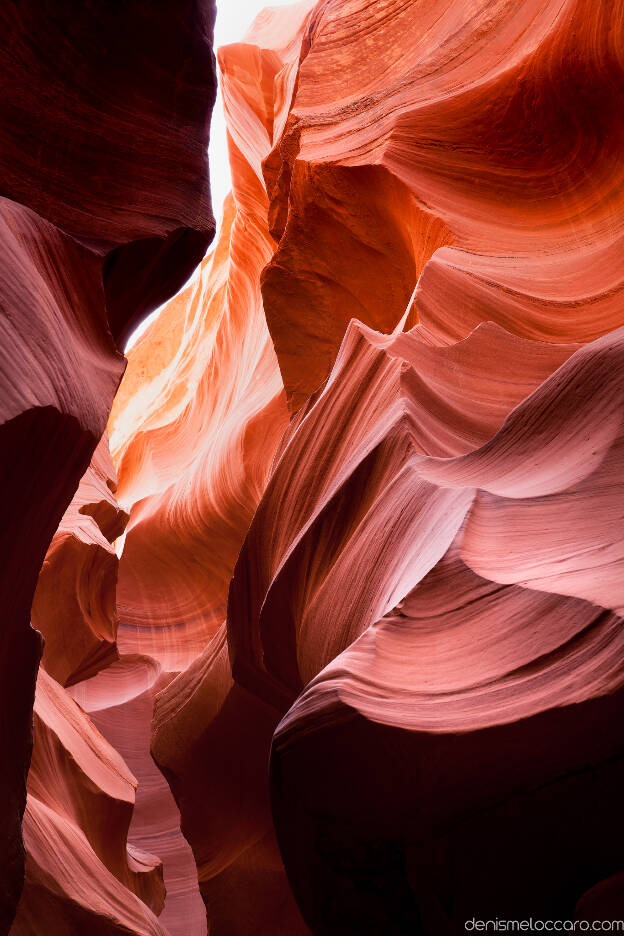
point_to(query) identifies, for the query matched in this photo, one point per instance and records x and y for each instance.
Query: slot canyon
(312, 538)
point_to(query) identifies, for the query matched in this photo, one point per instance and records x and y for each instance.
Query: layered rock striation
(75, 603)
(80, 874)
(104, 212)
(423, 624)
(355, 658)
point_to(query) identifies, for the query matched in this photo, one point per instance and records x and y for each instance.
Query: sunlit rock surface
(354, 663)
(194, 432)
(194, 447)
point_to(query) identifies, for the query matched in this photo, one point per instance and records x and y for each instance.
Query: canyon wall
(333, 610)
(423, 626)
(104, 212)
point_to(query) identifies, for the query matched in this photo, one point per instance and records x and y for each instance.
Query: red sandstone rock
(120, 703)
(225, 810)
(79, 875)
(117, 157)
(493, 128)
(194, 447)
(305, 563)
(60, 370)
(409, 596)
(75, 604)
(469, 699)
(451, 155)
(194, 432)
(106, 211)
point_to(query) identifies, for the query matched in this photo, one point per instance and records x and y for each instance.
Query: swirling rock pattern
(425, 614)
(75, 604)
(53, 331)
(494, 128)
(368, 617)
(194, 447)
(105, 210)
(503, 699)
(119, 701)
(79, 874)
(194, 431)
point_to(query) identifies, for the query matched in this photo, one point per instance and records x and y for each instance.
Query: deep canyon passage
(312, 601)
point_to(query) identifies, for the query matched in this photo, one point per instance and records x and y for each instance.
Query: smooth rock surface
(105, 210)
(354, 665)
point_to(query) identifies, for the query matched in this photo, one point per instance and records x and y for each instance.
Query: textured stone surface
(53, 413)
(425, 610)
(75, 604)
(117, 157)
(491, 128)
(105, 210)
(119, 701)
(359, 647)
(80, 876)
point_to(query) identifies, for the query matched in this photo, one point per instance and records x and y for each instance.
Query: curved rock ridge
(354, 664)
(120, 700)
(205, 369)
(400, 672)
(193, 433)
(60, 370)
(431, 574)
(225, 810)
(80, 875)
(468, 149)
(192, 503)
(491, 699)
(403, 400)
(353, 243)
(75, 604)
(105, 210)
(345, 529)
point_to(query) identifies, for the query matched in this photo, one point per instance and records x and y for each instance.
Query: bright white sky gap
(234, 17)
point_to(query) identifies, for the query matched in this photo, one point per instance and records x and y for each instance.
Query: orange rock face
(488, 135)
(194, 436)
(334, 634)
(194, 444)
